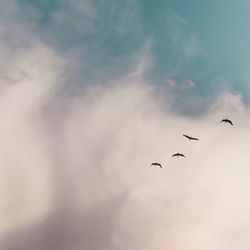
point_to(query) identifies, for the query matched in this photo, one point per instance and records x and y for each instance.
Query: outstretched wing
(191, 138)
(178, 154)
(195, 139)
(188, 137)
(156, 164)
(227, 121)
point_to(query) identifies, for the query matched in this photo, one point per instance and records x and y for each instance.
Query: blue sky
(221, 31)
(206, 42)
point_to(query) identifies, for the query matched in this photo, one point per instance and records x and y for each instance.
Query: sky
(203, 42)
(92, 92)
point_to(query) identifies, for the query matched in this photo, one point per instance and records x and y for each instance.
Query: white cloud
(27, 78)
(171, 83)
(83, 180)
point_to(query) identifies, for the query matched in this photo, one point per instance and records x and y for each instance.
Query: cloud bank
(75, 170)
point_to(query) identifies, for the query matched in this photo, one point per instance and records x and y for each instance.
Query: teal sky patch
(198, 48)
(216, 34)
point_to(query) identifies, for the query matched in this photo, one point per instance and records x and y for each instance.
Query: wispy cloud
(30, 24)
(88, 166)
(171, 83)
(174, 84)
(184, 42)
(190, 84)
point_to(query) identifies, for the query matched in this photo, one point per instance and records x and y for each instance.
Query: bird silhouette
(191, 138)
(227, 121)
(178, 154)
(156, 164)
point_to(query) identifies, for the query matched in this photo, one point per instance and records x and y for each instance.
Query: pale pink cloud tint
(75, 175)
(171, 83)
(31, 24)
(190, 84)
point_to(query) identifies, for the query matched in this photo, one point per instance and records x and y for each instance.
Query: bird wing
(187, 136)
(179, 154)
(156, 164)
(227, 121)
(191, 138)
(196, 139)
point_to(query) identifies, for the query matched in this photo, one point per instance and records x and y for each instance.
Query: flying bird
(191, 138)
(156, 164)
(178, 154)
(227, 121)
